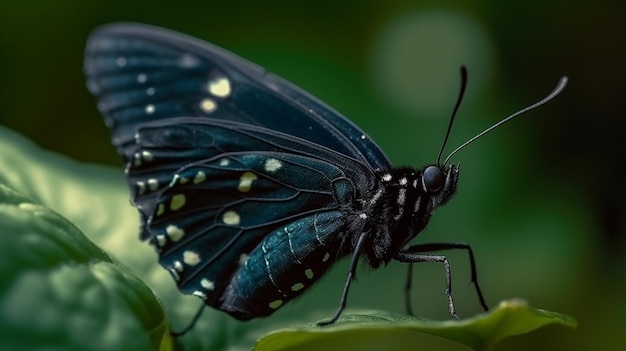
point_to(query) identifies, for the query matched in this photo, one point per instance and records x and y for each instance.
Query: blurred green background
(540, 200)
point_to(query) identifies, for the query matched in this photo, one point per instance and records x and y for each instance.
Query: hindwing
(210, 208)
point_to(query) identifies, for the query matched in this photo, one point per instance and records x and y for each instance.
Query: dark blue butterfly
(249, 188)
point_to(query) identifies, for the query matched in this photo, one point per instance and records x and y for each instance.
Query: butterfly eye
(433, 178)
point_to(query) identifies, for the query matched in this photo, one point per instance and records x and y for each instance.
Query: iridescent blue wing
(141, 73)
(252, 217)
(244, 182)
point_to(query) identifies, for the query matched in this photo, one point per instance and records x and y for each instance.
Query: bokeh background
(540, 200)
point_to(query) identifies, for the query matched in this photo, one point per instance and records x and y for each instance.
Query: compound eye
(433, 178)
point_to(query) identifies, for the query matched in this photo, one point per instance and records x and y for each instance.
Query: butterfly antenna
(557, 90)
(456, 108)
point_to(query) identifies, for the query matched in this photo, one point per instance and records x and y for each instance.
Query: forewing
(141, 73)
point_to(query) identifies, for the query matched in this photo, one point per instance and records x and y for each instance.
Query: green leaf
(60, 291)
(379, 330)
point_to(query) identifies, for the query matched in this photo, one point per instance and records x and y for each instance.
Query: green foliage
(378, 330)
(61, 290)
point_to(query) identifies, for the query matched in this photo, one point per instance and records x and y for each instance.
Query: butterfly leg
(407, 290)
(431, 247)
(415, 257)
(351, 275)
(191, 324)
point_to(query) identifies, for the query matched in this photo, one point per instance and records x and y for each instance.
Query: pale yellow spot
(207, 284)
(191, 258)
(160, 209)
(183, 180)
(297, 287)
(199, 294)
(275, 304)
(174, 233)
(150, 109)
(220, 87)
(272, 165)
(326, 257)
(231, 218)
(199, 178)
(141, 187)
(309, 273)
(147, 156)
(177, 201)
(245, 182)
(160, 240)
(208, 105)
(224, 162)
(153, 184)
(243, 259)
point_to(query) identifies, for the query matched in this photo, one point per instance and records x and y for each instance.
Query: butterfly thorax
(401, 207)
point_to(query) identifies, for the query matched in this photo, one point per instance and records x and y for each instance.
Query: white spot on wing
(191, 258)
(245, 182)
(207, 284)
(188, 61)
(150, 91)
(137, 159)
(243, 259)
(142, 78)
(199, 178)
(272, 165)
(160, 209)
(153, 184)
(231, 218)
(177, 201)
(207, 105)
(150, 109)
(387, 177)
(219, 87)
(224, 162)
(199, 294)
(297, 287)
(175, 233)
(141, 187)
(147, 156)
(160, 240)
(121, 62)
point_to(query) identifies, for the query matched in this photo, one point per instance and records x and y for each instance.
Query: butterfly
(249, 188)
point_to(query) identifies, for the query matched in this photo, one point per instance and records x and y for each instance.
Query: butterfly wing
(232, 226)
(141, 73)
(224, 162)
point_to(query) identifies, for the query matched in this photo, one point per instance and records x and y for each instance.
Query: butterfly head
(440, 183)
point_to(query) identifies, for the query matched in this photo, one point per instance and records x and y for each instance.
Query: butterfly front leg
(415, 253)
